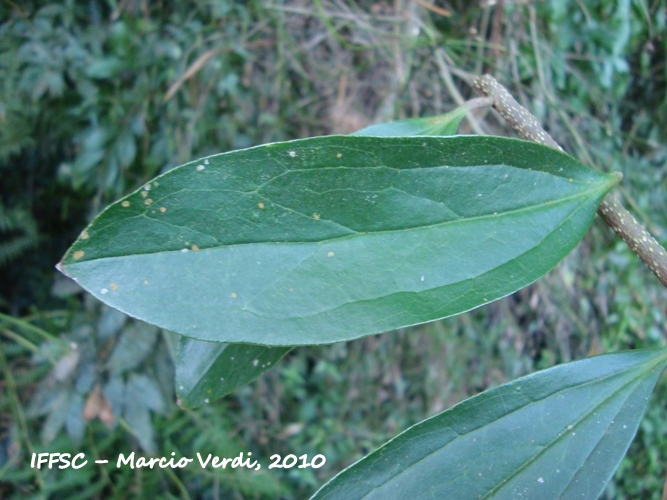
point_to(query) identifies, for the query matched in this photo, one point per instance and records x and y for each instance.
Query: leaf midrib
(525, 209)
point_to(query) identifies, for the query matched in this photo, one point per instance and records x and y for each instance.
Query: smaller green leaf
(137, 413)
(446, 124)
(136, 343)
(105, 68)
(206, 371)
(558, 433)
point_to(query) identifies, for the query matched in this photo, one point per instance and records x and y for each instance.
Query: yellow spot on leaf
(163, 209)
(339, 155)
(148, 201)
(125, 204)
(260, 205)
(85, 235)
(113, 286)
(78, 254)
(144, 194)
(195, 248)
(316, 216)
(233, 295)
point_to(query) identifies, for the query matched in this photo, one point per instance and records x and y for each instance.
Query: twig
(611, 211)
(199, 63)
(433, 8)
(446, 76)
(479, 102)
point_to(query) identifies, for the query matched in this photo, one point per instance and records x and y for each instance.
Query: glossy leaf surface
(206, 371)
(333, 238)
(558, 433)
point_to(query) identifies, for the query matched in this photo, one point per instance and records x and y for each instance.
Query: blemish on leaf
(255, 362)
(184, 250)
(163, 209)
(144, 194)
(78, 254)
(330, 254)
(200, 168)
(195, 248)
(292, 154)
(148, 201)
(125, 204)
(145, 282)
(339, 155)
(104, 291)
(260, 205)
(205, 162)
(233, 296)
(85, 235)
(113, 286)
(316, 216)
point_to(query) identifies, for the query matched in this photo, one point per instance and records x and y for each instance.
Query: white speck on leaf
(200, 168)
(104, 291)
(184, 250)
(292, 154)
(255, 362)
(330, 254)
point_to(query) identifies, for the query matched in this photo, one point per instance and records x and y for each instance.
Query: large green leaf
(333, 238)
(206, 371)
(558, 433)
(446, 124)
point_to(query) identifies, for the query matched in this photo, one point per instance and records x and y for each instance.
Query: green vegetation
(97, 98)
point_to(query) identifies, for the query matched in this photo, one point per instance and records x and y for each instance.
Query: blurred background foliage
(99, 96)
